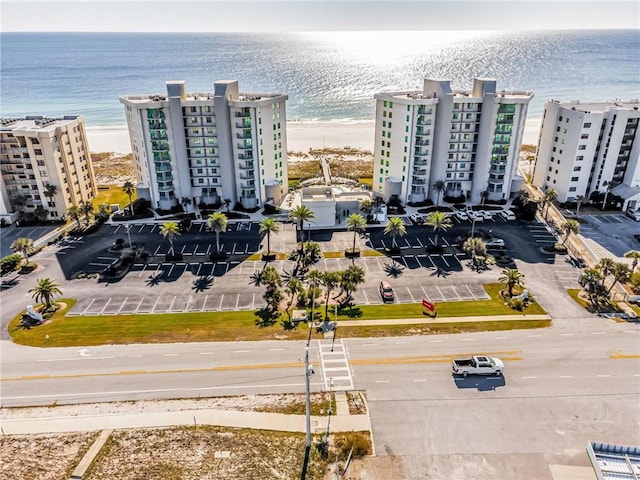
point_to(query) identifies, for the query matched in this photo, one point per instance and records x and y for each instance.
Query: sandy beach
(301, 136)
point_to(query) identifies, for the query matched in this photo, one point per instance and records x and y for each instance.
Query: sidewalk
(223, 418)
(428, 320)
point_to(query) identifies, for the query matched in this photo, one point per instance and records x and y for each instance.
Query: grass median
(61, 331)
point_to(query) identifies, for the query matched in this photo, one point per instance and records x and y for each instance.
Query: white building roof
(614, 461)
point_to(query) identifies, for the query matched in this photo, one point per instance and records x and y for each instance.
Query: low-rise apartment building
(590, 146)
(193, 148)
(470, 140)
(45, 166)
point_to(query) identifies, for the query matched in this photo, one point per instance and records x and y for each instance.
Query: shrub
(558, 247)
(359, 441)
(516, 304)
(635, 283)
(10, 262)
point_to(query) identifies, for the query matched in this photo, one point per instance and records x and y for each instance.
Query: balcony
(422, 110)
(245, 145)
(165, 187)
(164, 177)
(421, 132)
(420, 172)
(418, 181)
(245, 166)
(243, 114)
(424, 121)
(246, 156)
(14, 151)
(421, 152)
(247, 176)
(251, 185)
(420, 163)
(158, 135)
(245, 135)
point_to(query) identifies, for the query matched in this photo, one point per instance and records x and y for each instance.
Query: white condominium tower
(588, 147)
(45, 165)
(470, 140)
(209, 147)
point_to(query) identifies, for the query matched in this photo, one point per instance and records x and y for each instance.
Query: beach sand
(301, 136)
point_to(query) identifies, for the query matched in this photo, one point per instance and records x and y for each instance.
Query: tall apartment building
(38, 152)
(208, 147)
(587, 147)
(468, 139)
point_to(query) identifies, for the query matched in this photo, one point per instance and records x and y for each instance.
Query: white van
(634, 215)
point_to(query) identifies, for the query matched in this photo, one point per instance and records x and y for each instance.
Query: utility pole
(128, 229)
(308, 371)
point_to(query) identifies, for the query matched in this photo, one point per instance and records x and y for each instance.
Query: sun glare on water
(383, 47)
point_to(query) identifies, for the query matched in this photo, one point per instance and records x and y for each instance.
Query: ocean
(328, 76)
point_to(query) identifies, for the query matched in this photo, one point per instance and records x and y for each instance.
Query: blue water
(328, 76)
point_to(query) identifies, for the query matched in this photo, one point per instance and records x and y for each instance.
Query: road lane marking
(501, 338)
(597, 333)
(566, 334)
(529, 377)
(436, 341)
(206, 353)
(566, 376)
(420, 380)
(170, 354)
(620, 356)
(469, 339)
(603, 376)
(383, 381)
(241, 351)
(276, 349)
(73, 359)
(534, 336)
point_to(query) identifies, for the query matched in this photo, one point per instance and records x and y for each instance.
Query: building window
(584, 136)
(572, 189)
(587, 125)
(579, 157)
(582, 147)
(575, 179)
(577, 169)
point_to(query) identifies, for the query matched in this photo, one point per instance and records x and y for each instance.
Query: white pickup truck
(477, 366)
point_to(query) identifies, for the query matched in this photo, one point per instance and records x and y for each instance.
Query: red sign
(428, 305)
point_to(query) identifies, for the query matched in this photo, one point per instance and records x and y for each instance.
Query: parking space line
(440, 292)
(103, 308)
(153, 227)
(88, 306)
(144, 267)
(139, 304)
(469, 290)
(237, 300)
(425, 294)
(186, 309)
(155, 305)
(366, 300)
(123, 303)
(253, 302)
(220, 306)
(117, 228)
(456, 292)
(156, 251)
(411, 295)
(445, 260)
(204, 303)
(208, 250)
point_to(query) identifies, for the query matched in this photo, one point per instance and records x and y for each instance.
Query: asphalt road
(562, 388)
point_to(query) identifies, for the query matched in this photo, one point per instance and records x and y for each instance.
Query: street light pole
(335, 331)
(308, 371)
(128, 229)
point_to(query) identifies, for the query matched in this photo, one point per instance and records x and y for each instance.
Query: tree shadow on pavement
(393, 269)
(202, 283)
(439, 272)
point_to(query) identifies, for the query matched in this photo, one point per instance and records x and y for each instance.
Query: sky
(313, 15)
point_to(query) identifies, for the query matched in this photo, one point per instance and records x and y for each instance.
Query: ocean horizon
(329, 77)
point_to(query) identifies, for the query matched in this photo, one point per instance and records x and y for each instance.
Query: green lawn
(113, 195)
(64, 331)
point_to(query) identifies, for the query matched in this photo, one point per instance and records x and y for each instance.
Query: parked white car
(633, 215)
(461, 215)
(486, 214)
(417, 218)
(508, 215)
(494, 242)
(475, 216)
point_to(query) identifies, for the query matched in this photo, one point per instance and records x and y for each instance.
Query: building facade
(470, 140)
(588, 147)
(193, 148)
(45, 165)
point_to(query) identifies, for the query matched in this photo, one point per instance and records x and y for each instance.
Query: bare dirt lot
(198, 452)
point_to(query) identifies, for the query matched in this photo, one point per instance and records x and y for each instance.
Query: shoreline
(301, 136)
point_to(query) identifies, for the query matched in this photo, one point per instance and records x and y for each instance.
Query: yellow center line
(619, 356)
(510, 355)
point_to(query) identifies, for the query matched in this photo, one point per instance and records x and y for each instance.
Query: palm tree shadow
(393, 269)
(202, 283)
(255, 279)
(439, 272)
(153, 280)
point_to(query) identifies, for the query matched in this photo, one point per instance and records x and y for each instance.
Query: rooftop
(614, 461)
(36, 122)
(588, 107)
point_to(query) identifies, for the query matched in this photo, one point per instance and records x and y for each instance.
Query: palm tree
(227, 203)
(22, 245)
(634, 255)
(218, 223)
(439, 221)
(75, 214)
(170, 230)
(351, 278)
(300, 215)
(511, 277)
(50, 191)
(365, 206)
(86, 208)
(439, 186)
(330, 280)
(395, 227)
(548, 197)
(129, 189)
(474, 246)
(269, 226)
(45, 291)
(620, 273)
(569, 227)
(355, 222)
(579, 201)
